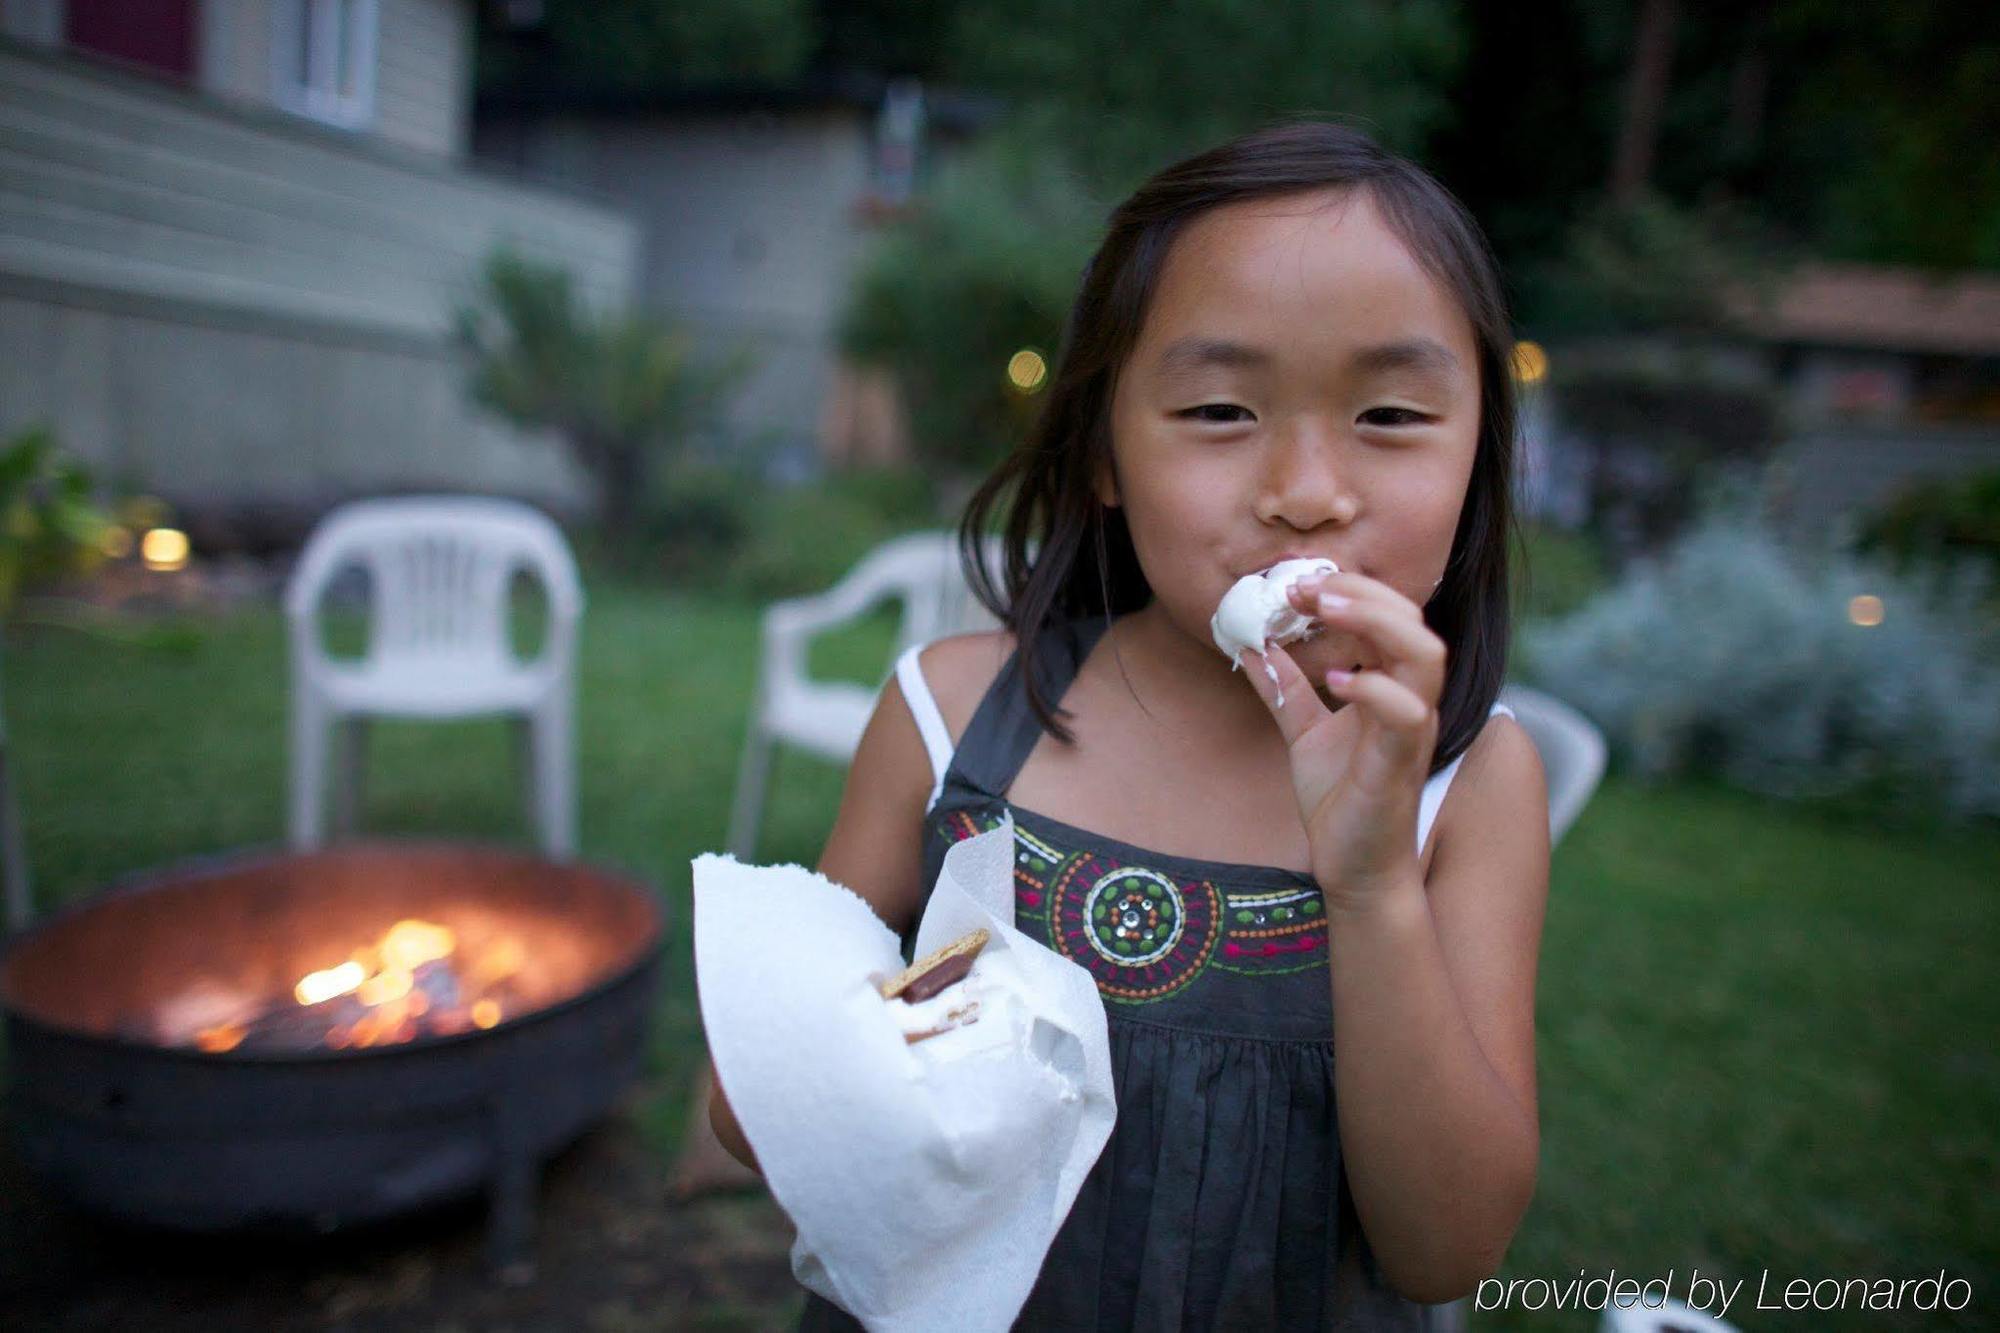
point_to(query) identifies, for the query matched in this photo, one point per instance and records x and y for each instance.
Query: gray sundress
(1219, 1201)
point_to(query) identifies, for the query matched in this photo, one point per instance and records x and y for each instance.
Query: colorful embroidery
(1275, 932)
(1139, 933)
(1143, 934)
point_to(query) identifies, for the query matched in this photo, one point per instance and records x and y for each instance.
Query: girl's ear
(1106, 486)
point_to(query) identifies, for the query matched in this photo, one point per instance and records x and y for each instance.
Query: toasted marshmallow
(1255, 611)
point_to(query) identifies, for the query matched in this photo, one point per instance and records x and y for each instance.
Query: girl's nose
(1302, 482)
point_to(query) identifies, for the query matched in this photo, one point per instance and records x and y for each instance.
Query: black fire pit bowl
(125, 1125)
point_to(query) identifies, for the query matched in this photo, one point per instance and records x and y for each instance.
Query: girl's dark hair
(1064, 555)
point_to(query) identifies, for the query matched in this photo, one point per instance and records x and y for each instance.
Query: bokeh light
(1026, 370)
(1531, 362)
(164, 549)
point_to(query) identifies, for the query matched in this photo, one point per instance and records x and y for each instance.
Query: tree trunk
(624, 479)
(618, 468)
(1645, 95)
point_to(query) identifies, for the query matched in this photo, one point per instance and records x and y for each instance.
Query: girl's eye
(1213, 407)
(1393, 416)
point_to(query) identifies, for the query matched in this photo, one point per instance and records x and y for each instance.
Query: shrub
(49, 524)
(723, 527)
(1730, 656)
(623, 389)
(1938, 520)
(696, 521)
(805, 537)
(1562, 571)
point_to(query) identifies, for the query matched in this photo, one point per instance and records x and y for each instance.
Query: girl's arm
(723, 1121)
(875, 848)
(1433, 973)
(1434, 1025)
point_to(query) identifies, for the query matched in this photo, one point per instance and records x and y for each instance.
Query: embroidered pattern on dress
(1144, 934)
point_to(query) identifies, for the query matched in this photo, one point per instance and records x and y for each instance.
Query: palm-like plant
(622, 388)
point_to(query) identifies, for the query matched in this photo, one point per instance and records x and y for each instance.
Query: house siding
(214, 297)
(748, 234)
(423, 63)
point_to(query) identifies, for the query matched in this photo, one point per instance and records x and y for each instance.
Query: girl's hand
(1359, 804)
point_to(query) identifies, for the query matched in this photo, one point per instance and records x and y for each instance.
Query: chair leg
(350, 743)
(308, 769)
(753, 775)
(555, 776)
(524, 768)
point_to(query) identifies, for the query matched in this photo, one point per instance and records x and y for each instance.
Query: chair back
(1573, 752)
(440, 568)
(924, 571)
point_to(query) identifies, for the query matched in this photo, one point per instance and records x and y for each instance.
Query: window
(323, 59)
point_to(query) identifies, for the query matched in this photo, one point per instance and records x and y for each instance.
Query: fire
(319, 987)
(411, 982)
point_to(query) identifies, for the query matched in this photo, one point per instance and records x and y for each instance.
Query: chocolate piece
(944, 974)
(968, 945)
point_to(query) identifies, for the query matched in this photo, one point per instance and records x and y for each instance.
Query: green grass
(1766, 1041)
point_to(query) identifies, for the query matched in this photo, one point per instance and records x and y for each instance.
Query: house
(233, 237)
(1883, 377)
(1890, 375)
(755, 203)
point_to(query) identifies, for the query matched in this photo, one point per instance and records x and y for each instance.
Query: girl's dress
(1219, 1201)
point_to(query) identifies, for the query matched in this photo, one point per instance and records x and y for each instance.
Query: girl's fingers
(1305, 594)
(1403, 717)
(1302, 709)
(1410, 650)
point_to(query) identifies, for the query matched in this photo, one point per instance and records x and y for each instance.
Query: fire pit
(325, 1039)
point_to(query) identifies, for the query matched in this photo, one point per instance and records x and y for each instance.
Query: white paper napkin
(926, 1190)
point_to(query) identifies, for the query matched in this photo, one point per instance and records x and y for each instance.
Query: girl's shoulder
(1501, 782)
(959, 669)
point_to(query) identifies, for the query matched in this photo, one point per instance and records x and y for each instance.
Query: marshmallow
(1255, 611)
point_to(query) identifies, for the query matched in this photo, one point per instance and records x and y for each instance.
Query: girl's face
(1301, 387)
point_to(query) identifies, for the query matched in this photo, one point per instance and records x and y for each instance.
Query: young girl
(1318, 971)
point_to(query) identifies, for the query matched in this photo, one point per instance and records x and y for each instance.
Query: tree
(985, 268)
(1102, 96)
(1133, 85)
(621, 388)
(1645, 93)
(629, 45)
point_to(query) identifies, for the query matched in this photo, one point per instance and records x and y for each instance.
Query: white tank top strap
(930, 722)
(1440, 782)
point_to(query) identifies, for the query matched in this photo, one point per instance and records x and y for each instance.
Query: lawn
(1765, 1041)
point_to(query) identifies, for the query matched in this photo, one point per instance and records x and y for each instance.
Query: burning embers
(415, 981)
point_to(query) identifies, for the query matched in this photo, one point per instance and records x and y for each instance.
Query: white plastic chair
(440, 570)
(922, 570)
(1572, 749)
